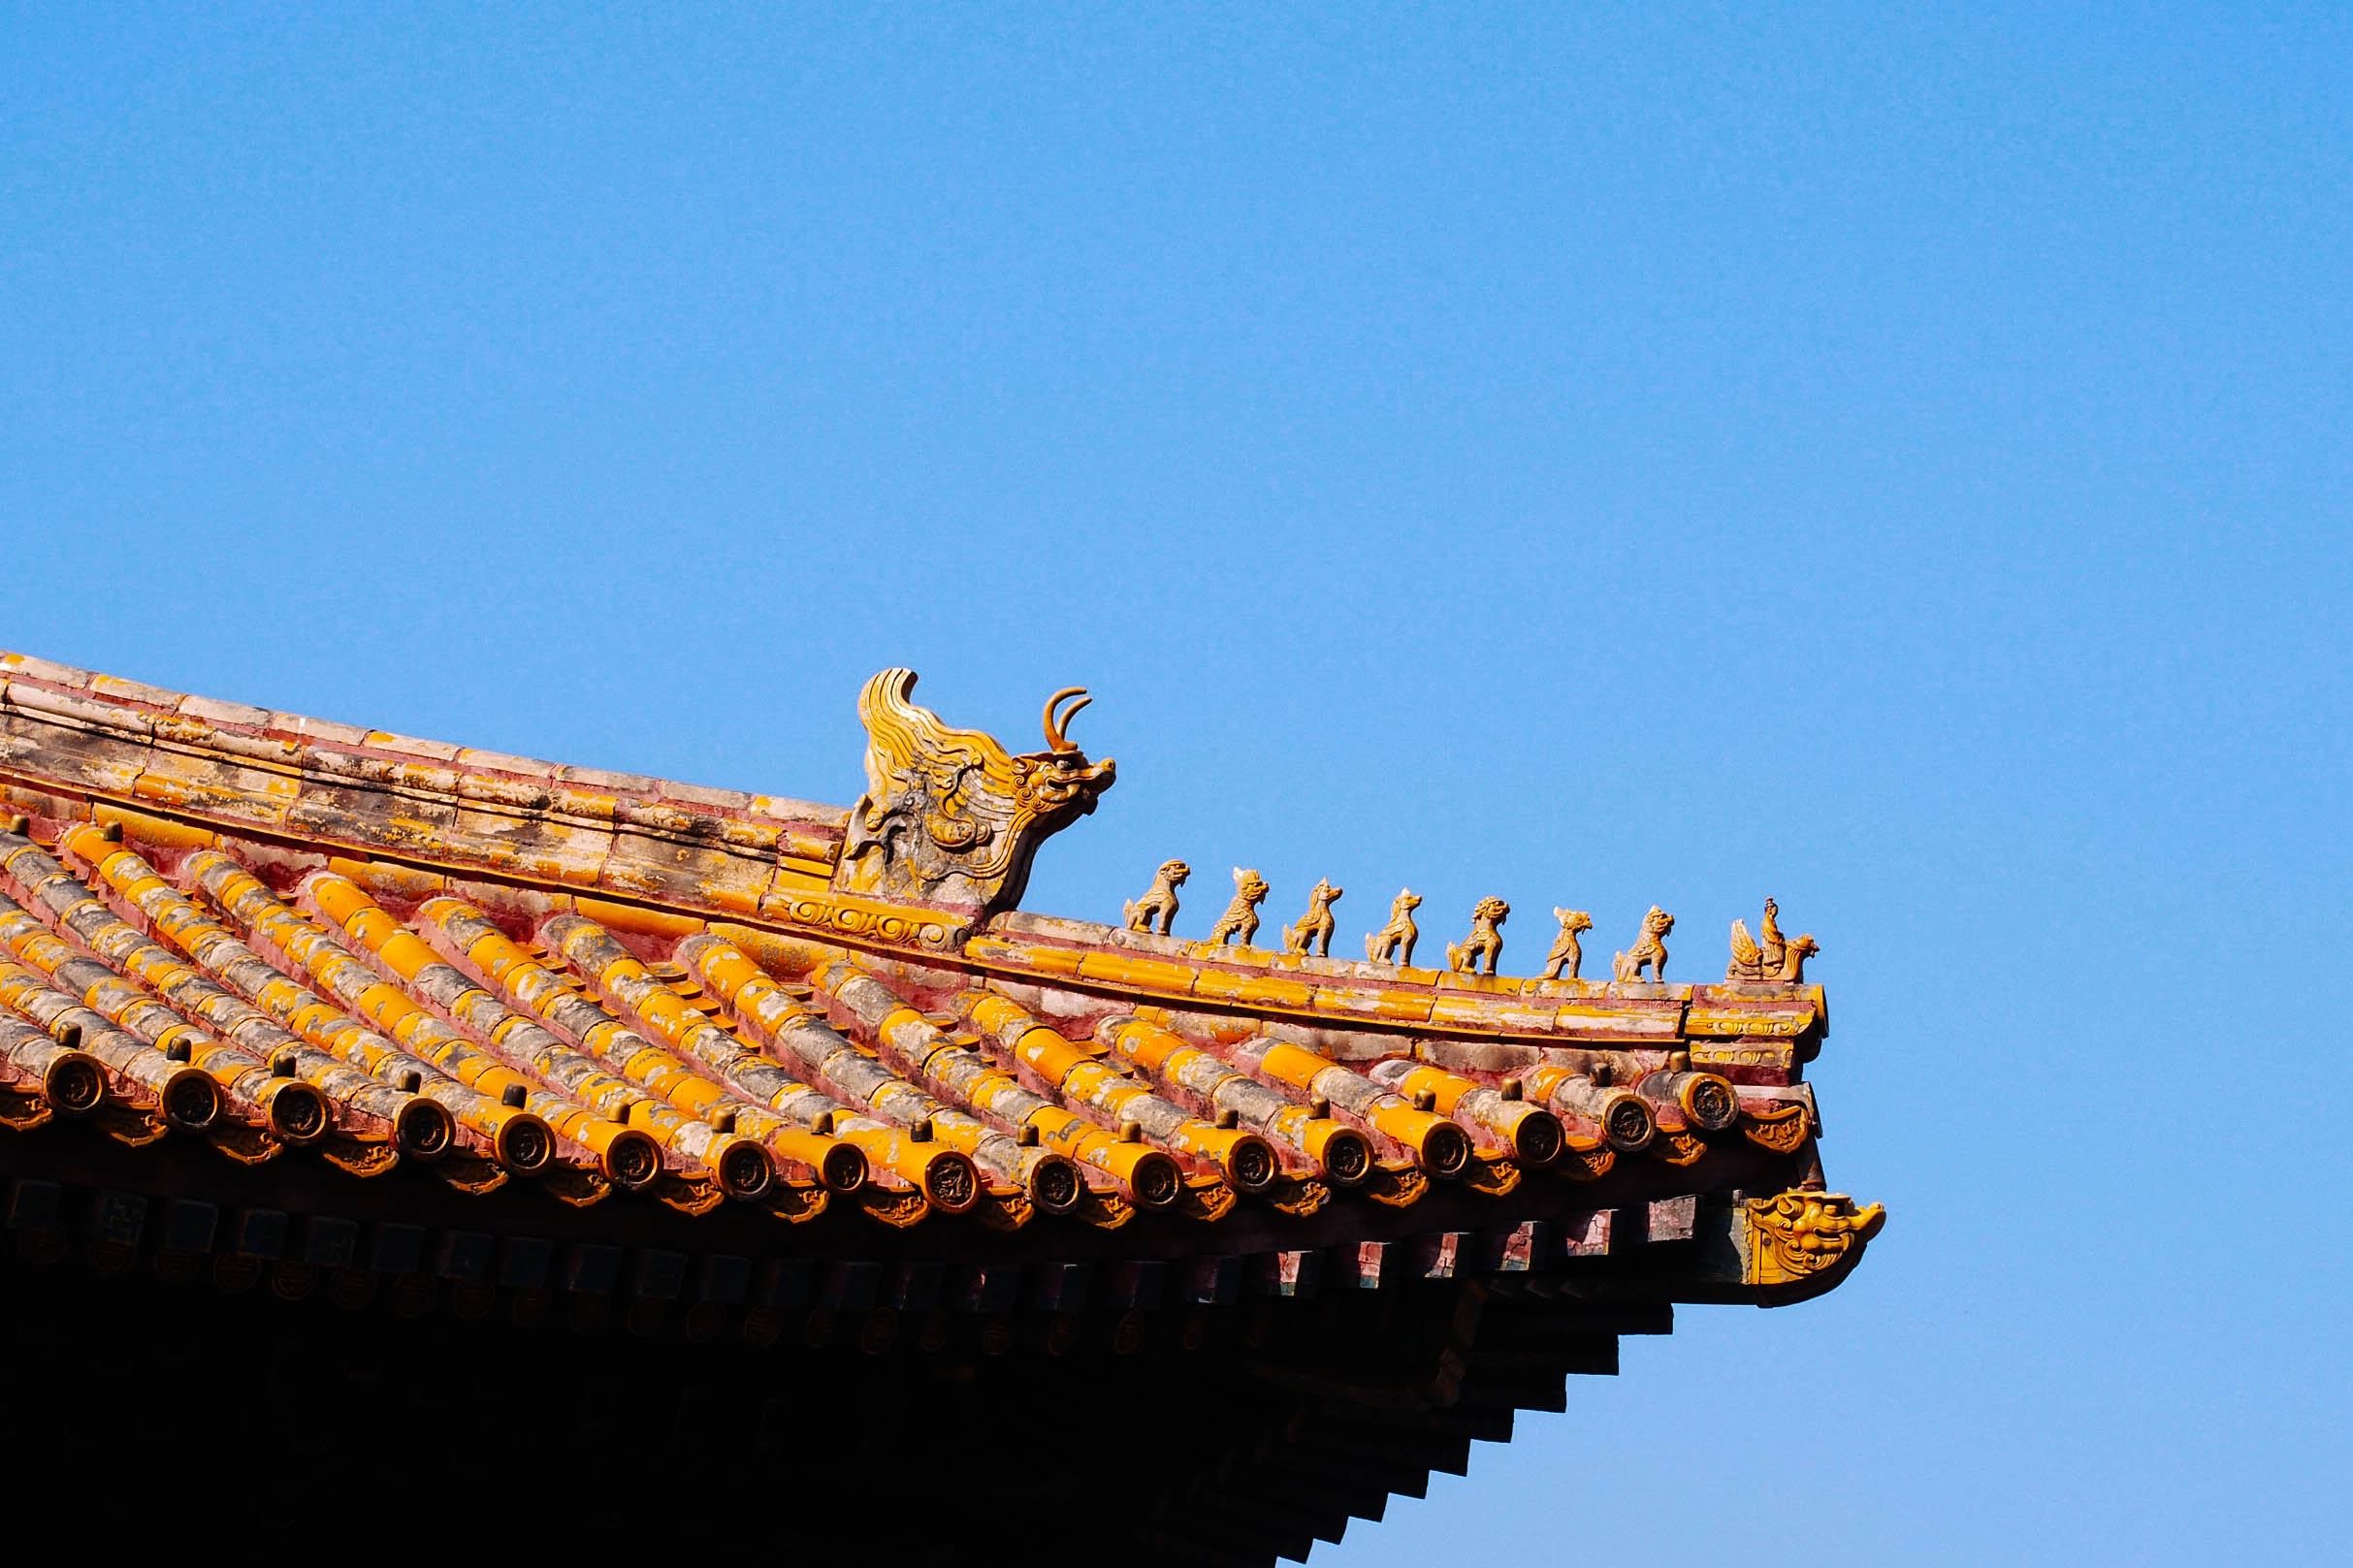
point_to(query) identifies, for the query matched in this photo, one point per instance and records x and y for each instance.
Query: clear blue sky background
(1897, 463)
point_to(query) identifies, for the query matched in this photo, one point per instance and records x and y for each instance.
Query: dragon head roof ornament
(950, 816)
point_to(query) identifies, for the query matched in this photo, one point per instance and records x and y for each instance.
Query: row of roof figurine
(1766, 958)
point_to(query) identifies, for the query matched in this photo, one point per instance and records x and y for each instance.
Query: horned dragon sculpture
(949, 815)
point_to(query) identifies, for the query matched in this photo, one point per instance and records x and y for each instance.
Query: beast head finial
(950, 815)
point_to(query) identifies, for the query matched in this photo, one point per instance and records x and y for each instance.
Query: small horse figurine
(1315, 926)
(1394, 941)
(1562, 963)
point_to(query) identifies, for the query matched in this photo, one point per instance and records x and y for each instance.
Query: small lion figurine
(1773, 960)
(1239, 923)
(1485, 938)
(1650, 953)
(1160, 904)
(1394, 941)
(1315, 926)
(1566, 956)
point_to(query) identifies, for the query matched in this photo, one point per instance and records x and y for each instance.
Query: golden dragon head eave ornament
(950, 816)
(1795, 1237)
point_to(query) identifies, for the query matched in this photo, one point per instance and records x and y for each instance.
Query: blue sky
(1896, 461)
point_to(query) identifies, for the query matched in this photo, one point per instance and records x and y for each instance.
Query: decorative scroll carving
(1584, 1159)
(1678, 1147)
(1394, 941)
(1160, 904)
(137, 1126)
(1491, 1175)
(1400, 1185)
(1205, 1198)
(690, 1194)
(359, 1157)
(1650, 953)
(1798, 1234)
(571, 1185)
(468, 1173)
(241, 1141)
(852, 916)
(949, 815)
(1313, 932)
(1485, 941)
(1769, 958)
(1781, 1127)
(895, 1206)
(798, 1201)
(1297, 1196)
(1104, 1209)
(1239, 923)
(21, 1109)
(1566, 956)
(1003, 1208)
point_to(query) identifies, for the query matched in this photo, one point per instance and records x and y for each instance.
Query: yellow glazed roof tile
(216, 712)
(42, 669)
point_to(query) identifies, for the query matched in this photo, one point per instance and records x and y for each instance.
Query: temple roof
(276, 965)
